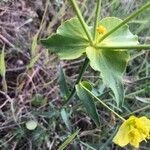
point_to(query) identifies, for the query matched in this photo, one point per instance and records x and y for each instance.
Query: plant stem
(125, 47)
(85, 65)
(86, 62)
(98, 8)
(103, 103)
(147, 78)
(84, 25)
(136, 13)
(137, 92)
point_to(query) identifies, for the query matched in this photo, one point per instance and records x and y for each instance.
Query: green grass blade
(87, 145)
(2, 63)
(3, 70)
(68, 140)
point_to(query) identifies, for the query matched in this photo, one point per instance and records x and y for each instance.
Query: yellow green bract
(133, 131)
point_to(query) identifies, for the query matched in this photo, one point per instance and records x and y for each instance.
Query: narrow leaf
(87, 145)
(88, 102)
(143, 99)
(3, 70)
(34, 45)
(68, 140)
(2, 63)
(63, 85)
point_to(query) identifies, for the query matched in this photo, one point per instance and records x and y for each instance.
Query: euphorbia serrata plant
(105, 46)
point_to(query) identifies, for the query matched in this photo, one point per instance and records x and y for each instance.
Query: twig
(6, 41)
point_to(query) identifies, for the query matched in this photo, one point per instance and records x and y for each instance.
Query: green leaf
(87, 85)
(112, 65)
(68, 140)
(111, 62)
(70, 40)
(121, 37)
(88, 101)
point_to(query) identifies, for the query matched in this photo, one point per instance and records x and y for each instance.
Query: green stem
(147, 78)
(85, 65)
(98, 8)
(137, 55)
(103, 103)
(125, 47)
(136, 13)
(84, 25)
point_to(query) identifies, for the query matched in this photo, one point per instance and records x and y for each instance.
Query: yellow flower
(133, 131)
(101, 29)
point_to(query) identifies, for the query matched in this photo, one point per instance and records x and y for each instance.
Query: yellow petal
(121, 137)
(146, 124)
(135, 143)
(145, 121)
(134, 130)
(135, 138)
